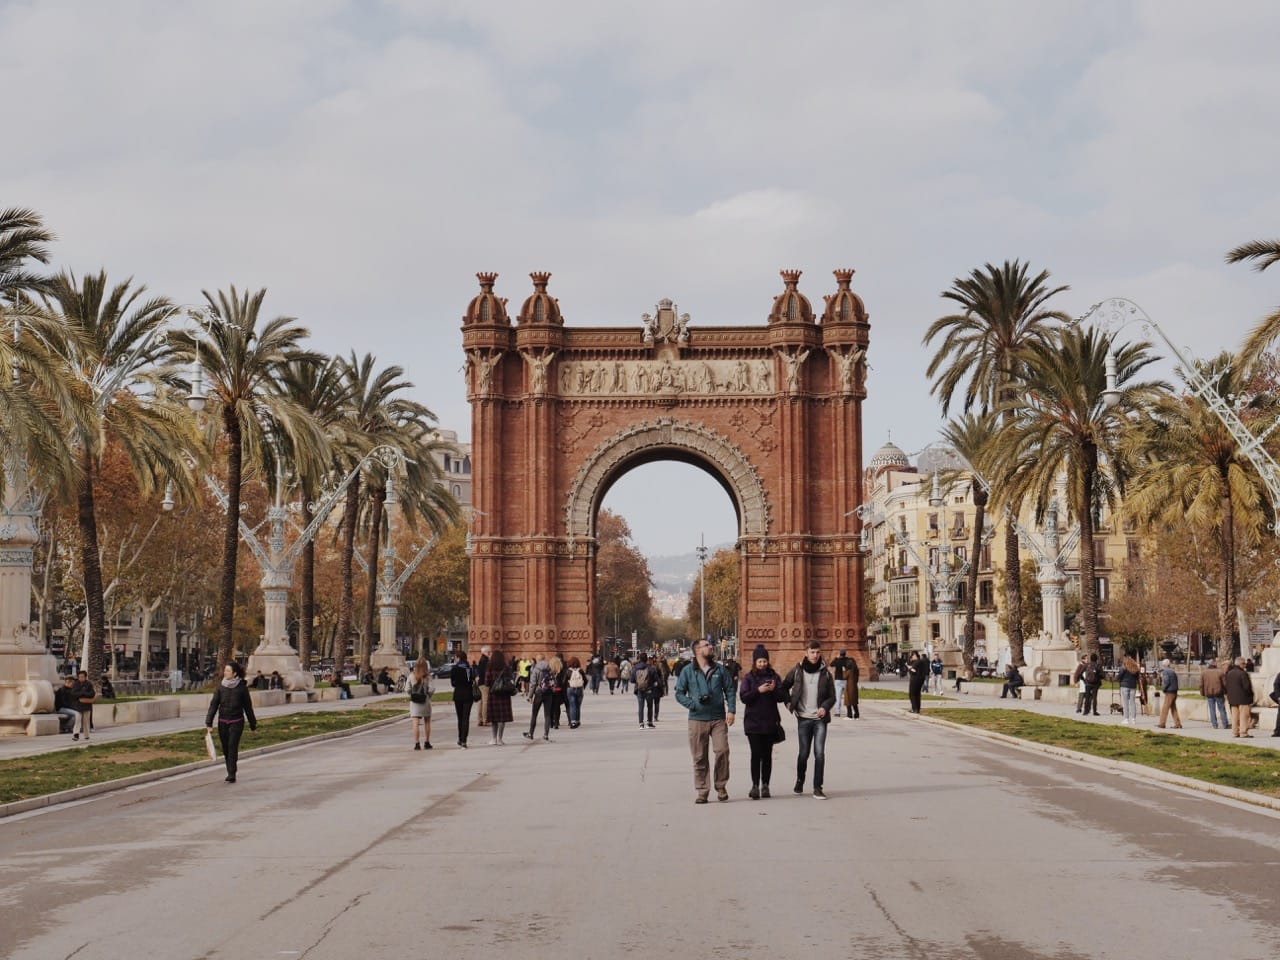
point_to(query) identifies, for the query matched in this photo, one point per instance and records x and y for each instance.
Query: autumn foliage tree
(623, 581)
(723, 587)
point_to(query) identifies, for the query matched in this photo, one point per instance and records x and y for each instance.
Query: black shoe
(417, 746)
(818, 794)
(527, 735)
(764, 792)
(546, 737)
(799, 788)
(753, 793)
(231, 779)
(651, 725)
(426, 746)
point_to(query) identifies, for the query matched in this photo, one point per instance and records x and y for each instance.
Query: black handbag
(504, 685)
(779, 733)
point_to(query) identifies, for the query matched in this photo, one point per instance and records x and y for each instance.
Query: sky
(363, 160)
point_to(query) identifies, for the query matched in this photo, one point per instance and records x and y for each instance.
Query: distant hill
(677, 573)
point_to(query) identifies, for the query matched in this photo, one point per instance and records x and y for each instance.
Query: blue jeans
(811, 734)
(1218, 707)
(642, 700)
(1129, 700)
(573, 701)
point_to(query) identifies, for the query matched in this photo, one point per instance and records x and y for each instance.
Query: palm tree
(36, 398)
(249, 411)
(972, 437)
(1062, 424)
(109, 332)
(1191, 470)
(984, 351)
(319, 389)
(1264, 253)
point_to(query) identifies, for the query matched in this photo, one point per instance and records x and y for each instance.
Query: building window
(984, 562)
(457, 490)
(1100, 553)
(1133, 551)
(986, 593)
(1100, 587)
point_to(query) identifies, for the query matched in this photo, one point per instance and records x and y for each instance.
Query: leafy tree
(1031, 607)
(1264, 253)
(623, 581)
(723, 590)
(439, 591)
(1004, 316)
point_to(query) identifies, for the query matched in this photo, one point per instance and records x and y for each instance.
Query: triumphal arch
(559, 412)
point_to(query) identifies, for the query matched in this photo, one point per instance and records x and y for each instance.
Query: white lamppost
(702, 586)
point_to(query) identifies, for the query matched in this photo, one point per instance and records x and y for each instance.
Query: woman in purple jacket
(760, 692)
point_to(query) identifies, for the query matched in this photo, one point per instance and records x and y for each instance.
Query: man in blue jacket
(705, 689)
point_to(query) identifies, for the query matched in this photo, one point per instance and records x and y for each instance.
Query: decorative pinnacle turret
(540, 279)
(791, 276)
(487, 280)
(843, 277)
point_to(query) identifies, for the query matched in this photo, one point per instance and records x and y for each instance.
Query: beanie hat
(759, 653)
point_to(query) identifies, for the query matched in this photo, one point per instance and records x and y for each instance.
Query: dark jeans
(657, 705)
(643, 699)
(541, 701)
(761, 757)
(811, 733)
(613, 682)
(463, 709)
(1011, 689)
(556, 701)
(1091, 698)
(595, 683)
(229, 735)
(913, 694)
(573, 700)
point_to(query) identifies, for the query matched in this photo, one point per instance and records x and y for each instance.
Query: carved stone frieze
(650, 378)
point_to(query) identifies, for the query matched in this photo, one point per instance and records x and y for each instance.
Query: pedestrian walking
(850, 698)
(811, 695)
(839, 665)
(611, 675)
(595, 670)
(917, 671)
(575, 688)
(1240, 698)
(502, 685)
(645, 679)
(482, 674)
(541, 682)
(760, 692)
(1168, 695)
(624, 674)
(420, 691)
(662, 685)
(559, 677)
(1091, 673)
(232, 704)
(84, 696)
(462, 679)
(935, 674)
(1129, 676)
(706, 690)
(1214, 693)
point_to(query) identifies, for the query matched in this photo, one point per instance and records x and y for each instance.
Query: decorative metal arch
(706, 445)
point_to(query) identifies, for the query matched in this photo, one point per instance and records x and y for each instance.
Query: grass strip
(1237, 765)
(880, 693)
(22, 778)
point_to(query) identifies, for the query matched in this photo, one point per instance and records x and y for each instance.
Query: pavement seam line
(151, 776)
(1138, 771)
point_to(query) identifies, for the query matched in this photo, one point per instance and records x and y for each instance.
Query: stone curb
(107, 786)
(1135, 770)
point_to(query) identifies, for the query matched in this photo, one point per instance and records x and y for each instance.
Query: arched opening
(666, 504)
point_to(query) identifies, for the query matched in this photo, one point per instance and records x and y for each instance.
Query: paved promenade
(933, 844)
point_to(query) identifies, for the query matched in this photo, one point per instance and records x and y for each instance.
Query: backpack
(1091, 673)
(625, 672)
(575, 678)
(643, 677)
(547, 681)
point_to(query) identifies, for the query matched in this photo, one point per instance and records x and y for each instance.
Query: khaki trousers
(1168, 705)
(713, 734)
(1241, 717)
(484, 705)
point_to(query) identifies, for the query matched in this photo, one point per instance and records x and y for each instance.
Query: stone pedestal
(1265, 674)
(27, 674)
(388, 654)
(1048, 658)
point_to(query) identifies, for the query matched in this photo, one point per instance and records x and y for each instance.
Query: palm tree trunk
(345, 603)
(230, 540)
(1227, 590)
(91, 562)
(307, 614)
(1013, 593)
(1088, 586)
(375, 541)
(971, 586)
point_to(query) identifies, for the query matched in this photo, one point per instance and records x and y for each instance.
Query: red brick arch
(559, 413)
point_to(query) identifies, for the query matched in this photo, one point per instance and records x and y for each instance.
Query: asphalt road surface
(932, 844)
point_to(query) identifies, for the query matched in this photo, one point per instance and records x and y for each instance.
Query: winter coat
(460, 680)
(693, 683)
(1211, 682)
(760, 710)
(231, 705)
(1238, 686)
(794, 688)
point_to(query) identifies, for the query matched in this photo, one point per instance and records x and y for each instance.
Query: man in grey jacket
(706, 690)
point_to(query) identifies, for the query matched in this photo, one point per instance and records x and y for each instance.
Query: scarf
(232, 683)
(811, 667)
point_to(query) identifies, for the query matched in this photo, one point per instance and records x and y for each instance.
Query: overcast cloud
(364, 160)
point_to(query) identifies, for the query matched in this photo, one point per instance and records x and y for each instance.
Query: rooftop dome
(791, 306)
(888, 456)
(541, 307)
(486, 306)
(844, 306)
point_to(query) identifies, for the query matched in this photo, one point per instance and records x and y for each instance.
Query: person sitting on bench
(1012, 683)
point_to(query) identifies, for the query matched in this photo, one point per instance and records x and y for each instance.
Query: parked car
(442, 671)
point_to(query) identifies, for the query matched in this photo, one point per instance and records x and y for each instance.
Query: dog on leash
(1117, 708)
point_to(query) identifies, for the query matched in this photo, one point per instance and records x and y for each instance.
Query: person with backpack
(811, 696)
(662, 685)
(1092, 677)
(575, 687)
(541, 692)
(420, 703)
(624, 674)
(646, 679)
(502, 686)
(935, 674)
(462, 679)
(560, 676)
